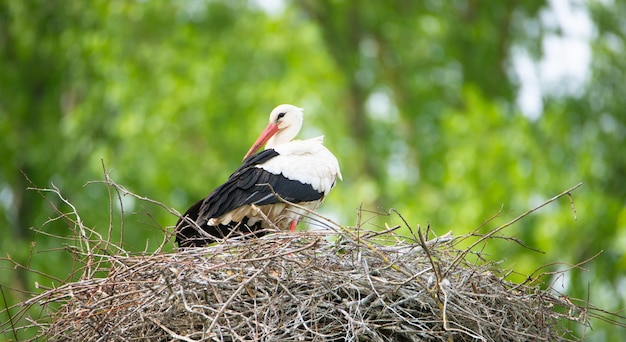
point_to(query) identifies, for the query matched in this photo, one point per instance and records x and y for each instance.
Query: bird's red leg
(292, 226)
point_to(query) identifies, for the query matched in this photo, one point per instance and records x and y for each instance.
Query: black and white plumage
(261, 189)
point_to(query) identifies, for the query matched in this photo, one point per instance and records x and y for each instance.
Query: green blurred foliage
(416, 99)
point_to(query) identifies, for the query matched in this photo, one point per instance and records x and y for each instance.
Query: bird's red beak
(267, 133)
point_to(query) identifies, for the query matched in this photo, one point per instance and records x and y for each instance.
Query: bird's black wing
(249, 184)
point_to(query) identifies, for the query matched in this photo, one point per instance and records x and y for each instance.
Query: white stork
(300, 171)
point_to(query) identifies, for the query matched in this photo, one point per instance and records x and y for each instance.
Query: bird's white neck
(284, 136)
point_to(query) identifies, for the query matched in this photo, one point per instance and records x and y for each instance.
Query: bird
(260, 195)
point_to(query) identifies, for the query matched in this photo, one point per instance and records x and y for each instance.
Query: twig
(8, 313)
(235, 293)
(508, 224)
(171, 332)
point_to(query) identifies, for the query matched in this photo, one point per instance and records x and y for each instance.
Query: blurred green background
(447, 111)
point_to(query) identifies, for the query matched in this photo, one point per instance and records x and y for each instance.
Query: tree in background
(417, 99)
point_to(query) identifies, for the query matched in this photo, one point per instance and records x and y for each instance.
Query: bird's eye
(281, 115)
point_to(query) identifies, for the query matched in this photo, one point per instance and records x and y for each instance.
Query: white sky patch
(128, 204)
(193, 9)
(271, 7)
(564, 68)
(561, 281)
(6, 197)
(397, 166)
(530, 92)
(379, 106)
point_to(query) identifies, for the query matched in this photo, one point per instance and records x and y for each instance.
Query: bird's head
(285, 123)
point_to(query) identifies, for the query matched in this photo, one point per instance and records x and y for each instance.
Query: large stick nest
(302, 287)
(338, 284)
